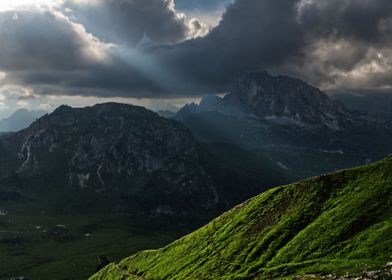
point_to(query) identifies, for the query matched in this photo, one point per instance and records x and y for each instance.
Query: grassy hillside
(338, 223)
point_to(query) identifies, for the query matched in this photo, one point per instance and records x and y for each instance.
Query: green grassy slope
(338, 223)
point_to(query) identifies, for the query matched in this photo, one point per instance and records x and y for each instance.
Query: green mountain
(338, 224)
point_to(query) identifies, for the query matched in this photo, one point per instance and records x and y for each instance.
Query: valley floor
(68, 247)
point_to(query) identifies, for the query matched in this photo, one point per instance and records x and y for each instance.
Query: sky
(164, 53)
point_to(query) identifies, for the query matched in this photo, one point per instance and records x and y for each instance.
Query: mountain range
(152, 173)
(284, 101)
(268, 130)
(122, 158)
(297, 126)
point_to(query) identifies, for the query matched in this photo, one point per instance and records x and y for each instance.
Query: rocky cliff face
(113, 148)
(283, 100)
(277, 99)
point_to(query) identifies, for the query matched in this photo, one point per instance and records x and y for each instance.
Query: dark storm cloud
(253, 34)
(44, 49)
(126, 21)
(360, 20)
(336, 43)
(54, 53)
(33, 40)
(201, 4)
(324, 42)
(350, 43)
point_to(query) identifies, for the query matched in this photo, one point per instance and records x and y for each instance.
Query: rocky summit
(126, 153)
(283, 100)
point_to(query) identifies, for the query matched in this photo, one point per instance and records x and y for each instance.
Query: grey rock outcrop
(283, 100)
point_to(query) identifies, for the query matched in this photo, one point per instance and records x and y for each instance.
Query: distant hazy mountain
(336, 226)
(166, 114)
(373, 103)
(21, 119)
(207, 103)
(295, 125)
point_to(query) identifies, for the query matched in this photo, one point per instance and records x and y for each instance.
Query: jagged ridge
(284, 99)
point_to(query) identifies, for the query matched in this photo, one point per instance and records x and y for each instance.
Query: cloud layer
(126, 21)
(146, 48)
(332, 44)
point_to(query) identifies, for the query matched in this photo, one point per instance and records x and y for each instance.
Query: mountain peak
(207, 103)
(62, 109)
(282, 99)
(21, 110)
